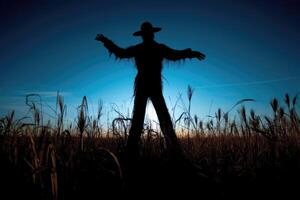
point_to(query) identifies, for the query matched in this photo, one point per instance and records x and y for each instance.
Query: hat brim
(153, 30)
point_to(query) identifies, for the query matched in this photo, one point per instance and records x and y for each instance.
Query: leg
(137, 123)
(166, 123)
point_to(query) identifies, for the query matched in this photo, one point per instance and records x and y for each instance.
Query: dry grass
(60, 161)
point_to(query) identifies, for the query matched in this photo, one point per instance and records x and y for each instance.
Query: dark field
(254, 156)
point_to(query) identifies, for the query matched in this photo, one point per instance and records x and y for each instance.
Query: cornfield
(250, 154)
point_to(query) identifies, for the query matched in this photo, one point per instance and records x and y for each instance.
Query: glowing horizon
(50, 47)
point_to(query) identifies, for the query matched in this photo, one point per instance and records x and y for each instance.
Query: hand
(101, 38)
(199, 55)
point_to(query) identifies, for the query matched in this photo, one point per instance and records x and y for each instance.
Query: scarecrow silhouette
(148, 57)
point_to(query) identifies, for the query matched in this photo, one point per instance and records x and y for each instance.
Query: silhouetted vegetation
(254, 155)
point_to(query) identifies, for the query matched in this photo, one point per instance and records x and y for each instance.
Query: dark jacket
(148, 59)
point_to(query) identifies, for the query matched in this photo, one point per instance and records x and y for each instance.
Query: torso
(148, 60)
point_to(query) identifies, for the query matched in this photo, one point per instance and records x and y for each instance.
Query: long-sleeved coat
(148, 59)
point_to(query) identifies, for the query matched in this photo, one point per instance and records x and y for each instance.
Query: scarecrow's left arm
(174, 55)
(115, 49)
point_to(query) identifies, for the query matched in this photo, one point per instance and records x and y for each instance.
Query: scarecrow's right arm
(115, 49)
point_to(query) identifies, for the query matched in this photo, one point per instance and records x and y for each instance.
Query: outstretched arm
(115, 49)
(172, 54)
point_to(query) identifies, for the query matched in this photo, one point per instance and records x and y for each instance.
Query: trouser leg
(137, 123)
(165, 123)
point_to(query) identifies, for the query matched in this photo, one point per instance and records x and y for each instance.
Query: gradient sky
(252, 50)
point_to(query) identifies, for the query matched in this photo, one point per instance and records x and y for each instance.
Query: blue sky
(252, 50)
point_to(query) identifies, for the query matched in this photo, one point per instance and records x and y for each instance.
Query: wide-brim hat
(146, 27)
